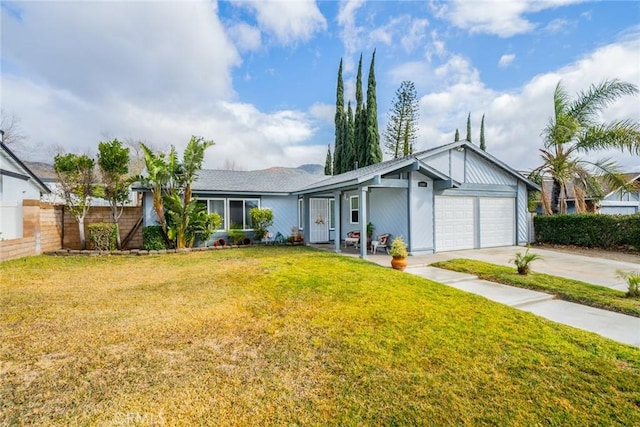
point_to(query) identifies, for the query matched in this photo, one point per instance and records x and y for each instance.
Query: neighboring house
(623, 202)
(616, 201)
(47, 174)
(17, 183)
(446, 198)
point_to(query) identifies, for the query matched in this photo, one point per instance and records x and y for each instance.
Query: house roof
(369, 172)
(628, 178)
(273, 180)
(29, 174)
(287, 180)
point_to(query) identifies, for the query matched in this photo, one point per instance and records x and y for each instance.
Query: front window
(355, 209)
(300, 208)
(332, 223)
(217, 206)
(239, 212)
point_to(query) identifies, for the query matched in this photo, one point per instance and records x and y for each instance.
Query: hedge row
(590, 230)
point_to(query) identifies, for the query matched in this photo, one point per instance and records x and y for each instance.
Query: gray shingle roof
(273, 180)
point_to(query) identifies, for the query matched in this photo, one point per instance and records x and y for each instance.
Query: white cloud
(288, 21)
(246, 37)
(157, 72)
(558, 25)
(506, 60)
(127, 49)
(515, 119)
(323, 112)
(350, 32)
(503, 18)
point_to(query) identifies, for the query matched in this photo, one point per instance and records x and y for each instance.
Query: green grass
(288, 336)
(566, 289)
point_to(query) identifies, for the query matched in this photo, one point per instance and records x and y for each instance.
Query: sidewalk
(615, 326)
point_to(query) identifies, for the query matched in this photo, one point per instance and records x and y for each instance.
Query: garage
(497, 221)
(454, 217)
(456, 227)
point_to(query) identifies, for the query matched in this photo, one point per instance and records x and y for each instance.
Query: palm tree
(575, 129)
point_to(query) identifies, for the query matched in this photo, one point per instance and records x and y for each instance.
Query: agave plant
(523, 262)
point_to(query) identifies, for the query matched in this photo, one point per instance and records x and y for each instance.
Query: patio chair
(353, 237)
(382, 241)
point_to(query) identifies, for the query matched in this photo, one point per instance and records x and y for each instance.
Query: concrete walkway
(598, 271)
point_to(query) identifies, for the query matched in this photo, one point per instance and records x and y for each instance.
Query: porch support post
(363, 222)
(306, 221)
(337, 198)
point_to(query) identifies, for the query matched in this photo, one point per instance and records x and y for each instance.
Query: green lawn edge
(563, 288)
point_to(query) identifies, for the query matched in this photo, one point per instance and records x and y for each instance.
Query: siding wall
(481, 171)
(388, 211)
(522, 215)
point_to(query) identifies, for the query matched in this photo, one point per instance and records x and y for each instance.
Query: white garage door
(454, 223)
(497, 222)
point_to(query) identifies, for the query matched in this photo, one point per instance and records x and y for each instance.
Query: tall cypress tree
(339, 120)
(349, 157)
(372, 151)
(469, 128)
(456, 138)
(360, 121)
(328, 163)
(483, 146)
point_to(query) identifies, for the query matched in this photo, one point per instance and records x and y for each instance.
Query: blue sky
(259, 78)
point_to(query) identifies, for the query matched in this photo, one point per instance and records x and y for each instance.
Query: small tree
(456, 137)
(262, 219)
(113, 161)
(76, 178)
(522, 262)
(468, 138)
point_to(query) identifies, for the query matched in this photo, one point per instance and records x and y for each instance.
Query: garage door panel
(454, 223)
(497, 221)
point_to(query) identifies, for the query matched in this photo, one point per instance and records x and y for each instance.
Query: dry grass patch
(272, 336)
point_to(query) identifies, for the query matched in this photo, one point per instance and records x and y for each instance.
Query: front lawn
(288, 336)
(566, 289)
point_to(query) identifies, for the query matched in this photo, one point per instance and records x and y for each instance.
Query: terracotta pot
(399, 263)
(246, 241)
(220, 242)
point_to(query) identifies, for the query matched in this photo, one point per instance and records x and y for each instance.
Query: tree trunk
(555, 197)
(83, 240)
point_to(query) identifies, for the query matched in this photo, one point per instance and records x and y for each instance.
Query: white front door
(319, 220)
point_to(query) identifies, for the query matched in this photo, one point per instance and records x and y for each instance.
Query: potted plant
(398, 253)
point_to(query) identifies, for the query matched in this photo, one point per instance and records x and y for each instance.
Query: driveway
(598, 271)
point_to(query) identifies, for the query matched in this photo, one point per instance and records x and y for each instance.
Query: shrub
(262, 219)
(236, 235)
(523, 262)
(398, 248)
(633, 281)
(102, 236)
(152, 239)
(590, 230)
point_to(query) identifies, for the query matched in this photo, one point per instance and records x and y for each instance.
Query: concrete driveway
(598, 271)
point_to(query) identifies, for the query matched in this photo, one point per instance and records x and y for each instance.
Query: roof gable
(10, 156)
